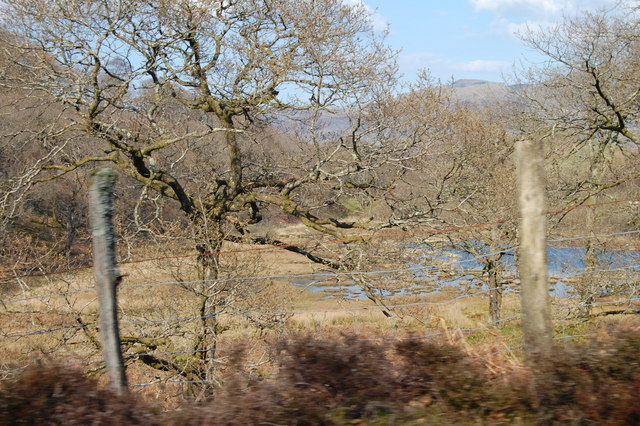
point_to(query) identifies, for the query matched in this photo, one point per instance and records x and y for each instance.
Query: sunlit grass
(253, 316)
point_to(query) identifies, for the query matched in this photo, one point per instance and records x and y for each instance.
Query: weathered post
(534, 294)
(106, 273)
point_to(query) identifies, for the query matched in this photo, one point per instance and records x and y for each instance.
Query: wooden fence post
(107, 276)
(534, 294)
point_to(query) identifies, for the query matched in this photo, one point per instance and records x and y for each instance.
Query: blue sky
(467, 38)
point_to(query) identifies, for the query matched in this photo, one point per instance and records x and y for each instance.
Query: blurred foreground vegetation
(350, 380)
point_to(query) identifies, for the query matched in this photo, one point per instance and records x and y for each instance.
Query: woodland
(256, 141)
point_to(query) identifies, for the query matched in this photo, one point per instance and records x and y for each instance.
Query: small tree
(584, 99)
(466, 179)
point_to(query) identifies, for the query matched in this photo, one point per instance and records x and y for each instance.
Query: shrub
(318, 383)
(349, 380)
(57, 395)
(443, 373)
(597, 382)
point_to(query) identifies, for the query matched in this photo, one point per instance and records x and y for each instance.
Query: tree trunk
(587, 292)
(235, 155)
(210, 298)
(589, 287)
(495, 293)
(493, 270)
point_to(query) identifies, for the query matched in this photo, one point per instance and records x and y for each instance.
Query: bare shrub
(56, 395)
(596, 383)
(352, 380)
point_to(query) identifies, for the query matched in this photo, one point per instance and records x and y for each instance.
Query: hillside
(480, 91)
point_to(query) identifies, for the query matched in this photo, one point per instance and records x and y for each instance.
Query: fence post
(107, 276)
(534, 294)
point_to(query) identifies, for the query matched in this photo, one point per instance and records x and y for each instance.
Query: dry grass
(146, 312)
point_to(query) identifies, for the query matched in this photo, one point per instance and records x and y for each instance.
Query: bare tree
(466, 178)
(589, 83)
(584, 101)
(176, 95)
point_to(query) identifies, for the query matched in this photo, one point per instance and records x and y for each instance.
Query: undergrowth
(349, 380)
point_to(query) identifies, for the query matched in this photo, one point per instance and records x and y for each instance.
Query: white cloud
(513, 28)
(512, 16)
(548, 9)
(412, 63)
(420, 59)
(446, 68)
(417, 61)
(484, 65)
(519, 8)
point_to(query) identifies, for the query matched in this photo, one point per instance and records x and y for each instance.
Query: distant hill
(458, 84)
(481, 91)
(334, 122)
(468, 91)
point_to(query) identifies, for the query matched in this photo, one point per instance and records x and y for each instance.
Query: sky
(468, 39)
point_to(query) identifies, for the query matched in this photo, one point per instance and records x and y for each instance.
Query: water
(427, 277)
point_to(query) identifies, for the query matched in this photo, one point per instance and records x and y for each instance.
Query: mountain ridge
(480, 91)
